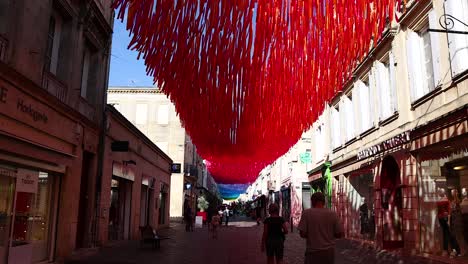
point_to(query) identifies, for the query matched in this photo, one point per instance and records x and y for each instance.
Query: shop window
(359, 191)
(458, 43)
(443, 183)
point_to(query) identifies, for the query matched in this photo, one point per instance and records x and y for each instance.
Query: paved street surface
(238, 243)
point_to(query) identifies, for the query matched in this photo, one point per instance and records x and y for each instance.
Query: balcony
(54, 86)
(3, 48)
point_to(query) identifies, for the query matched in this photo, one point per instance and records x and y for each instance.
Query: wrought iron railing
(54, 86)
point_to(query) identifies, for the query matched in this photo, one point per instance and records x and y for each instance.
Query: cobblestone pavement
(238, 243)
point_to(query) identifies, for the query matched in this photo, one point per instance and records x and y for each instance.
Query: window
(458, 43)
(141, 114)
(163, 114)
(386, 86)
(363, 99)
(57, 53)
(53, 44)
(336, 133)
(348, 116)
(89, 74)
(319, 143)
(423, 60)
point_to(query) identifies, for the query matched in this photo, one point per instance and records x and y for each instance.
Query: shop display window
(444, 206)
(359, 206)
(7, 192)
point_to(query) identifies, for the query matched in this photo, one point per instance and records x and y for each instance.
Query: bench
(150, 236)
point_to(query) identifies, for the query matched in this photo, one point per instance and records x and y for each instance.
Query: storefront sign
(31, 111)
(26, 181)
(24, 108)
(123, 171)
(395, 141)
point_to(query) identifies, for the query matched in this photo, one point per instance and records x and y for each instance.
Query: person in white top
(320, 226)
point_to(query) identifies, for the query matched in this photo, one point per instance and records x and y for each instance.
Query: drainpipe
(101, 146)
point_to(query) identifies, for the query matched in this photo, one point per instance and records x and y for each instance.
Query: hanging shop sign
(26, 181)
(305, 157)
(386, 145)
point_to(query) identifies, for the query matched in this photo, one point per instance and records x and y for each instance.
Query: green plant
(202, 203)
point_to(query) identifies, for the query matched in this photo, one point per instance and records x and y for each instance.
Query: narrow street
(238, 243)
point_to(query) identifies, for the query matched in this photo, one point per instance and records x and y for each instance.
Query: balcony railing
(54, 86)
(3, 48)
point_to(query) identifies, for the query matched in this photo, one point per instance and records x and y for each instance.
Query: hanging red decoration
(247, 77)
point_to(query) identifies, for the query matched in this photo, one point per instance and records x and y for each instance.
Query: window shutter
(372, 97)
(435, 47)
(458, 43)
(336, 141)
(415, 65)
(365, 106)
(349, 118)
(393, 85)
(356, 106)
(383, 88)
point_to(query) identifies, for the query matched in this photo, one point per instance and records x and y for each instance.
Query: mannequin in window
(443, 214)
(464, 212)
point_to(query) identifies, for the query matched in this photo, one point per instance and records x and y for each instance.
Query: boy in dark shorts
(274, 232)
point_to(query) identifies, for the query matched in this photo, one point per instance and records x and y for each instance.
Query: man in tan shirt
(320, 227)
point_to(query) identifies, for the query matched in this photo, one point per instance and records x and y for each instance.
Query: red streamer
(247, 77)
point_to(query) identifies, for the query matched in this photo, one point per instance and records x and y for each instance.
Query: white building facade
(154, 114)
(396, 136)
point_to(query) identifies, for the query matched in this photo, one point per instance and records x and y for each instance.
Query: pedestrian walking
(215, 222)
(188, 217)
(320, 227)
(226, 215)
(220, 213)
(274, 231)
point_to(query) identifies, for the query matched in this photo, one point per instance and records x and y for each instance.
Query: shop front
(120, 211)
(441, 151)
(42, 142)
(358, 188)
(28, 213)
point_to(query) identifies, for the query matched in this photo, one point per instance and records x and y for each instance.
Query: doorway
(392, 203)
(120, 209)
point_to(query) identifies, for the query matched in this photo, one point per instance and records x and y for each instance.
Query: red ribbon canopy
(247, 77)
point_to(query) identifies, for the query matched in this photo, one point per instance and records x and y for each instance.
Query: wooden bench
(150, 236)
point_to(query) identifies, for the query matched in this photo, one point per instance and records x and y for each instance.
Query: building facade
(396, 138)
(54, 60)
(154, 114)
(135, 183)
(285, 183)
